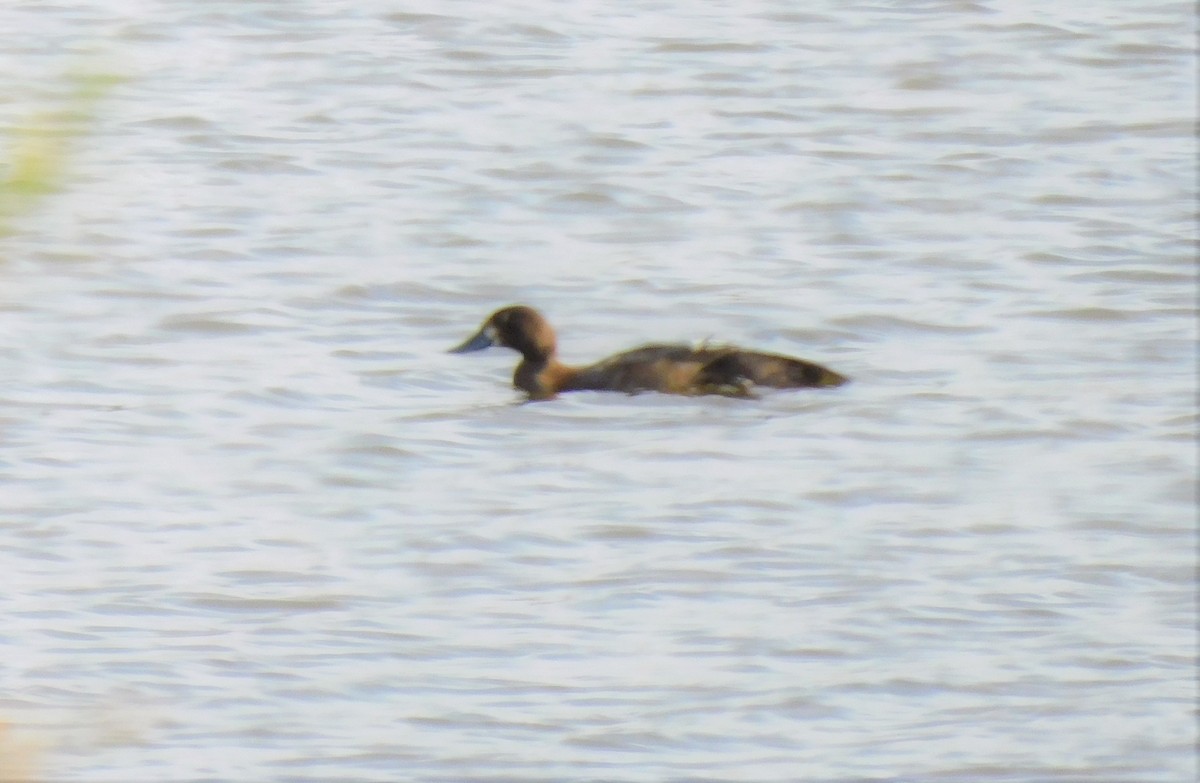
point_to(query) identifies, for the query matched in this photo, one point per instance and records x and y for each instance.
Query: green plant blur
(35, 159)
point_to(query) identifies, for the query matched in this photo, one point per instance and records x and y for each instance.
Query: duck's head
(518, 327)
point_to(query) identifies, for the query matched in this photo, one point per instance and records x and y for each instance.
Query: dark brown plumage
(671, 369)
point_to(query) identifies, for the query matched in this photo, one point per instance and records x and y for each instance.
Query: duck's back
(687, 369)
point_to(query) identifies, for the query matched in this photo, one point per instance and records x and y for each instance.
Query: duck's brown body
(671, 369)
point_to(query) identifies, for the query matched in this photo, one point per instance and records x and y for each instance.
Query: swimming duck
(671, 369)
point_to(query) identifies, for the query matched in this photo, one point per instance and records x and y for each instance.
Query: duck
(704, 369)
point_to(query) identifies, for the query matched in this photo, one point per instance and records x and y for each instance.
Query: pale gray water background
(256, 525)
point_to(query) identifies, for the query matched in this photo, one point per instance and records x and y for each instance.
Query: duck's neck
(541, 377)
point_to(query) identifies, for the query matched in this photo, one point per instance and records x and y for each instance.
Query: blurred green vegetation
(34, 159)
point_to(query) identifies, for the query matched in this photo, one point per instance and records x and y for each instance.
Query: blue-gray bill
(476, 342)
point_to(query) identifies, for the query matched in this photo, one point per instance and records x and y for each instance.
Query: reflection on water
(20, 754)
(245, 488)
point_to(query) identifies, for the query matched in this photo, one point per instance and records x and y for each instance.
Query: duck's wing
(704, 369)
(733, 366)
(674, 369)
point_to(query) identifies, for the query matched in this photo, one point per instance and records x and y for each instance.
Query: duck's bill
(476, 342)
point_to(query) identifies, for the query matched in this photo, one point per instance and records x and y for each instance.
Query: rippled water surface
(257, 525)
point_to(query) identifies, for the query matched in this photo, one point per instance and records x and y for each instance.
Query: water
(258, 526)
